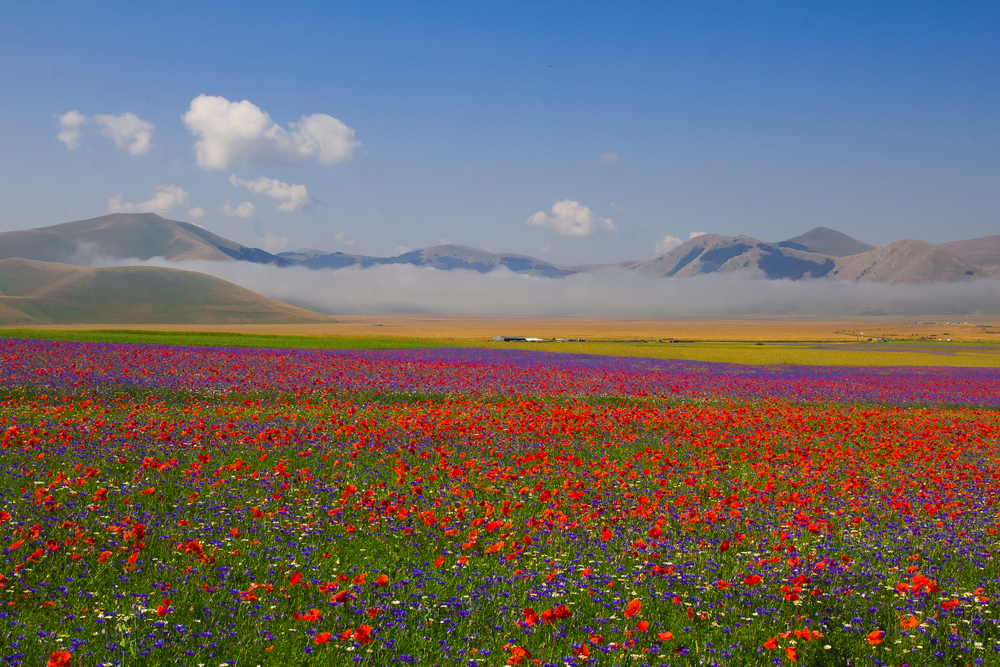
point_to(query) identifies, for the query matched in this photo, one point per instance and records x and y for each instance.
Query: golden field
(875, 341)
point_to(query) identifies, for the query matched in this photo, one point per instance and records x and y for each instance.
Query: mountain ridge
(820, 253)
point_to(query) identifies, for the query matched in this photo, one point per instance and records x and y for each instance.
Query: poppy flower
(439, 562)
(321, 638)
(664, 636)
(874, 637)
(59, 659)
(530, 617)
(632, 608)
(909, 623)
(791, 653)
(361, 634)
(771, 643)
(752, 580)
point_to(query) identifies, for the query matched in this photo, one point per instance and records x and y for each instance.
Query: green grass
(227, 339)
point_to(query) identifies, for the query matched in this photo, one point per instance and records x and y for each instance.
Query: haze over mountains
(42, 279)
(819, 253)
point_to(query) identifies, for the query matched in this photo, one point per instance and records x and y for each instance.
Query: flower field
(208, 506)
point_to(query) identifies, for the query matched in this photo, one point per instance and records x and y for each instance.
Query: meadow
(780, 344)
(462, 506)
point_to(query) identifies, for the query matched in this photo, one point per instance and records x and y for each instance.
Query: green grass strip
(228, 339)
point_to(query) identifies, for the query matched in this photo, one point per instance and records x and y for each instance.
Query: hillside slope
(827, 242)
(33, 292)
(983, 252)
(713, 253)
(125, 235)
(906, 261)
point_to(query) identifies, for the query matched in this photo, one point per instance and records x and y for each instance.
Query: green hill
(125, 235)
(33, 292)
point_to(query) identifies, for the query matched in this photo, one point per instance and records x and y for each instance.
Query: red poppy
(874, 637)
(752, 580)
(632, 608)
(361, 634)
(321, 638)
(530, 617)
(791, 653)
(59, 659)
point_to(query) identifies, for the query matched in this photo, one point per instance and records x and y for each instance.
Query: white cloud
(292, 197)
(667, 243)
(571, 218)
(695, 235)
(196, 212)
(272, 243)
(69, 128)
(127, 131)
(167, 198)
(345, 238)
(246, 210)
(402, 249)
(242, 133)
(608, 158)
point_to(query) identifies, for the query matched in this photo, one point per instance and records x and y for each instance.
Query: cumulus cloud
(571, 218)
(345, 238)
(69, 128)
(167, 198)
(272, 242)
(667, 243)
(292, 197)
(695, 235)
(128, 131)
(245, 210)
(244, 134)
(196, 212)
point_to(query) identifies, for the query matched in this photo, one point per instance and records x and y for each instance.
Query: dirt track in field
(603, 329)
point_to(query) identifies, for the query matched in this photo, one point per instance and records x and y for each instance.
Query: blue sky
(576, 132)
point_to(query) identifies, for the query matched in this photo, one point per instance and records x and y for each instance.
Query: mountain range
(45, 275)
(819, 253)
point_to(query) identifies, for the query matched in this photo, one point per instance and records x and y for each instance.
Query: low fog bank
(408, 289)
